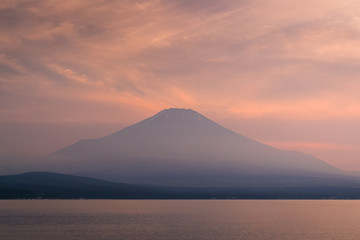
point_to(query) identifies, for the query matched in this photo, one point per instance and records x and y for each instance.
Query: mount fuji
(181, 147)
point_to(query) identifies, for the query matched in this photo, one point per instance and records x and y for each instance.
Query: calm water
(180, 219)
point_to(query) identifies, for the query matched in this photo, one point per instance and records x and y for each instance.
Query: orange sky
(282, 72)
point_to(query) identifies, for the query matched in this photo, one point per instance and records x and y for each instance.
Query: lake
(180, 219)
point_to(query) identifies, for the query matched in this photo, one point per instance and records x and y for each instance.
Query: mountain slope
(181, 146)
(49, 185)
(55, 185)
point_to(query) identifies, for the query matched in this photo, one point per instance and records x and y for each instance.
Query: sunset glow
(286, 73)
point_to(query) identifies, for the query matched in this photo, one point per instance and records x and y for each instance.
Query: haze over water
(180, 219)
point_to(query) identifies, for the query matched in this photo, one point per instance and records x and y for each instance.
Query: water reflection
(180, 219)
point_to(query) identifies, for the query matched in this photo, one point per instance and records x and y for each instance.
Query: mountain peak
(178, 109)
(174, 123)
(177, 114)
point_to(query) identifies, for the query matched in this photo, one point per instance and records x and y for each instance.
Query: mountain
(181, 147)
(63, 186)
(50, 185)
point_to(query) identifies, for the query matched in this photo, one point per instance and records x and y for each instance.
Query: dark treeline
(46, 185)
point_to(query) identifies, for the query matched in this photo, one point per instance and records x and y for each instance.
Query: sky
(282, 72)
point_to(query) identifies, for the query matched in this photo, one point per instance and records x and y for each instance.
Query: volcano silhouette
(183, 147)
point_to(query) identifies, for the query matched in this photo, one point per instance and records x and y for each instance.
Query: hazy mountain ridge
(48, 185)
(181, 146)
(55, 185)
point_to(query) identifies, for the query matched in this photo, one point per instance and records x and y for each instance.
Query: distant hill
(47, 185)
(62, 186)
(180, 147)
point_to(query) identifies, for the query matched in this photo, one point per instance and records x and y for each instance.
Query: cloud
(70, 74)
(267, 56)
